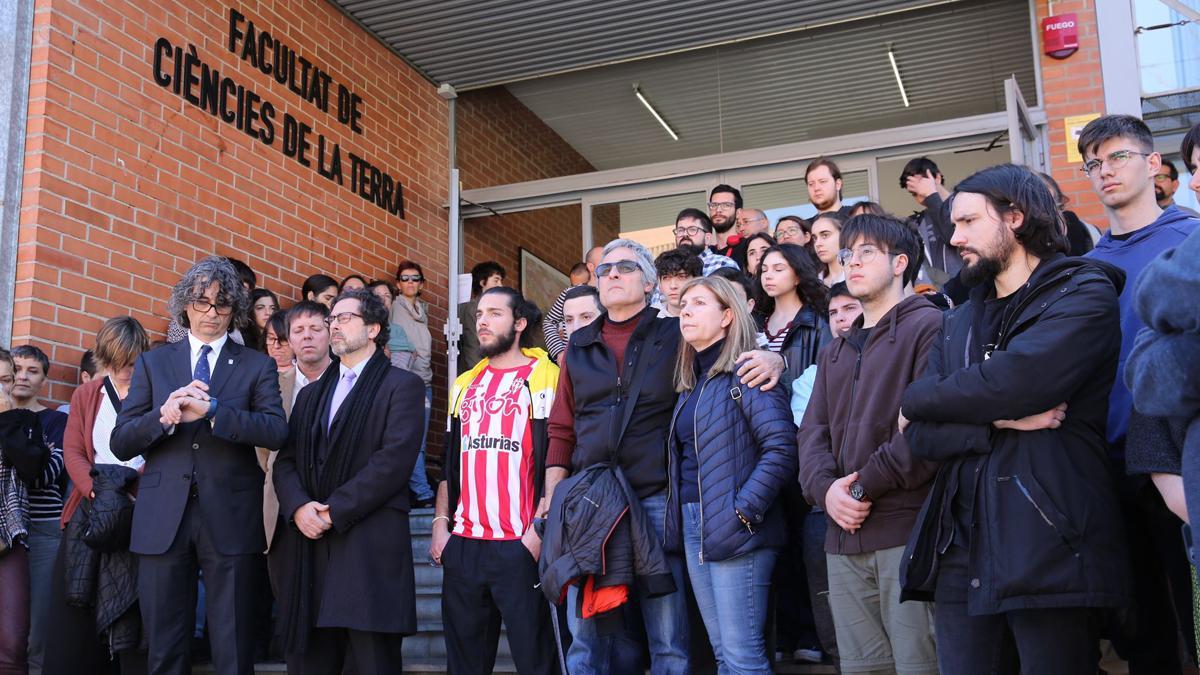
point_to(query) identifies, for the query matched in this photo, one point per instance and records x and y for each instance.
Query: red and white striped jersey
(496, 458)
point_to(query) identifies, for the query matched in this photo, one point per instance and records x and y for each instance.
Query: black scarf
(308, 437)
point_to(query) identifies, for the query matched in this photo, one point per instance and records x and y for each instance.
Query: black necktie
(202, 373)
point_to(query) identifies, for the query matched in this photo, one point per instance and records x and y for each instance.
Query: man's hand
(437, 542)
(309, 521)
(170, 414)
(921, 186)
(325, 515)
(846, 511)
(532, 542)
(901, 421)
(760, 368)
(1051, 419)
(192, 409)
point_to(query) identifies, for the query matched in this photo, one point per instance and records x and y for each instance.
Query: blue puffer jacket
(746, 449)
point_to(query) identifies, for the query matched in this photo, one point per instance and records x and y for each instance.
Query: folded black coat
(101, 572)
(596, 526)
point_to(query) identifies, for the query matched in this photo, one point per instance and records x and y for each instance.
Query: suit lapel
(227, 362)
(182, 362)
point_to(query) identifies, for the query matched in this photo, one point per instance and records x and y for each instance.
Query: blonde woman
(732, 449)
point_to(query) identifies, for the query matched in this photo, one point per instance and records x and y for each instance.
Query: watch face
(857, 491)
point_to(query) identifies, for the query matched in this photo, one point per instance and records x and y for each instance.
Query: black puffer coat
(101, 572)
(746, 451)
(1046, 528)
(596, 526)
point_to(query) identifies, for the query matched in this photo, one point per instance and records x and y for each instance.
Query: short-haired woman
(94, 409)
(410, 320)
(732, 449)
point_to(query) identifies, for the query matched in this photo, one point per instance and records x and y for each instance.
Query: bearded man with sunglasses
(196, 410)
(1120, 162)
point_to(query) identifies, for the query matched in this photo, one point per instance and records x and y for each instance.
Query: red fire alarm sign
(1060, 35)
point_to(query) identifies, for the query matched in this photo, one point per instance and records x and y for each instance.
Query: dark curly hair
(811, 290)
(195, 281)
(372, 310)
(1009, 187)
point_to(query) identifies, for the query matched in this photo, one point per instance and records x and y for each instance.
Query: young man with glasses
(195, 411)
(856, 464)
(724, 205)
(1120, 162)
(694, 232)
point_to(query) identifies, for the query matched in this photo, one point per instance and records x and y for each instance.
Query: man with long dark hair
(483, 527)
(1020, 540)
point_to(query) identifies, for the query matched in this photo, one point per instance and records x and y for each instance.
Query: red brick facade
(1072, 86)
(127, 183)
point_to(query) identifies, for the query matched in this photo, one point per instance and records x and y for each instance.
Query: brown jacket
(79, 454)
(850, 425)
(266, 458)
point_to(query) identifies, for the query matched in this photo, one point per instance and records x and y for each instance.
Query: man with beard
(1121, 164)
(483, 527)
(1020, 541)
(855, 463)
(1166, 183)
(694, 232)
(346, 578)
(824, 181)
(724, 205)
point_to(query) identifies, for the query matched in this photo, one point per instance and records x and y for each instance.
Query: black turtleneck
(685, 426)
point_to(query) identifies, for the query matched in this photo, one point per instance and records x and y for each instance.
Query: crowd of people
(960, 442)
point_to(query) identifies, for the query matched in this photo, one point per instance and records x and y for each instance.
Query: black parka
(1046, 528)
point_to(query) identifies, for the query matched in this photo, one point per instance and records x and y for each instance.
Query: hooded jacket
(850, 425)
(1131, 256)
(1046, 527)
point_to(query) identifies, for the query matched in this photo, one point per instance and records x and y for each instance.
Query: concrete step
(429, 643)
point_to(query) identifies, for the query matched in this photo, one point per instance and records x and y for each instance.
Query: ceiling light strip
(896, 72)
(637, 91)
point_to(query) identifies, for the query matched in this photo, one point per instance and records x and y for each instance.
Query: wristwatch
(857, 491)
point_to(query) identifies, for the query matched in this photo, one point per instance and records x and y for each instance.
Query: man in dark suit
(344, 558)
(196, 410)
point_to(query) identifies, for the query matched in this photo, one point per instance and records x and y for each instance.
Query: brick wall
(127, 183)
(1073, 86)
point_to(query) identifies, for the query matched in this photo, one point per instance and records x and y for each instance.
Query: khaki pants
(875, 632)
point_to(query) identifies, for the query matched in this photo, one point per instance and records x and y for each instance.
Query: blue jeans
(419, 482)
(732, 596)
(44, 538)
(665, 619)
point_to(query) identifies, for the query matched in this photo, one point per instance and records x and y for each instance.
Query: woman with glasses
(732, 448)
(793, 230)
(410, 346)
(84, 645)
(275, 341)
(826, 239)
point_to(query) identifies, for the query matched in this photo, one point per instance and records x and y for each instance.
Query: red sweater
(561, 426)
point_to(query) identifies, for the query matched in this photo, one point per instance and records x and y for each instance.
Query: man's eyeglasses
(202, 306)
(689, 231)
(1163, 178)
(865, 255)
(721, 206)
(411, 277)
(1115, 160)
(623, 266)
(342, 319)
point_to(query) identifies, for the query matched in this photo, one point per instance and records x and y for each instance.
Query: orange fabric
(601, 600)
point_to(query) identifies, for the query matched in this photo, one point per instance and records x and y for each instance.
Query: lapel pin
(231, 362)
